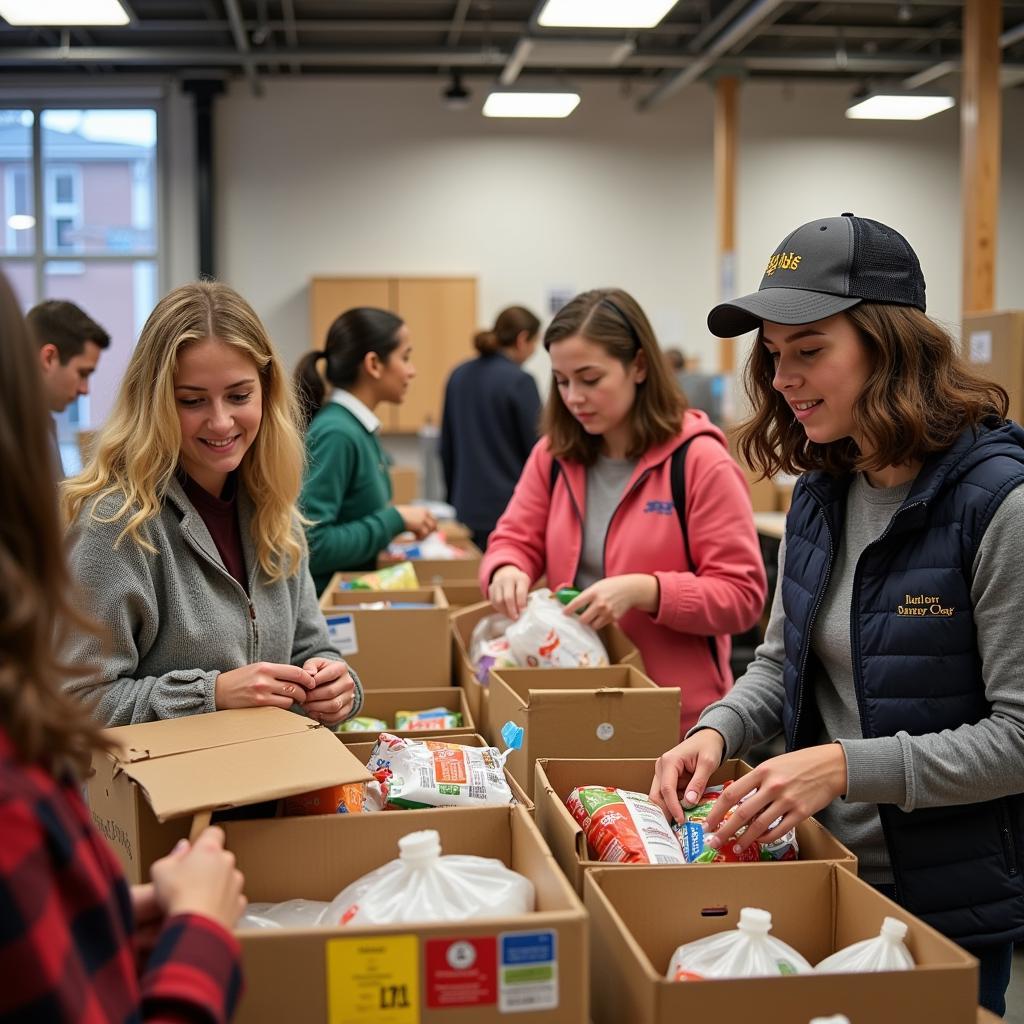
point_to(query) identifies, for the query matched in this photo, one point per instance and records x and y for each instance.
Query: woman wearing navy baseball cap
(891, 661)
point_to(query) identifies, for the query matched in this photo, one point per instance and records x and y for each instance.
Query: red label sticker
(462, 972)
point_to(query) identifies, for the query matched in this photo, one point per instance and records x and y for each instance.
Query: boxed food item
(621, 651)
(166, 778)
(557, 778)
(385, 705)
(612, 712)
(533, 966)
(638, 919)
(403, 644)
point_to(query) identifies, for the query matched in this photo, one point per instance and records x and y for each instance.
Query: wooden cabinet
(441, 315)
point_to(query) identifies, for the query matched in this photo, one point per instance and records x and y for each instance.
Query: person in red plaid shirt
(76, 944)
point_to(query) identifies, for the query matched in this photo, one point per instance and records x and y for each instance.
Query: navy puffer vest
(916, 667)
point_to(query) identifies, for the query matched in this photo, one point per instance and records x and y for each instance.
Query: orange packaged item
(346, 799)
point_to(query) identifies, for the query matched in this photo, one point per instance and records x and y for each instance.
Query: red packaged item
(623, 827)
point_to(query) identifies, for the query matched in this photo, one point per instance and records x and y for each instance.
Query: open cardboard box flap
(231, 758)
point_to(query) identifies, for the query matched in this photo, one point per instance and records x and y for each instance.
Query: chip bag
(361, 723)
(623, 827)
(401, 576)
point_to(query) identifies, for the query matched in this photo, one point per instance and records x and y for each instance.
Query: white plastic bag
(545, 637)
(835, 1019)
(489, 648)
(747, 951)
(289, 914)
(885, 952)
(423, 886)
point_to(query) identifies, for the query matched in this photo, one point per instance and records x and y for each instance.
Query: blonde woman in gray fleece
(184, 534)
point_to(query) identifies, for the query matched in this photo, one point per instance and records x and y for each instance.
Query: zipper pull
(255, 626)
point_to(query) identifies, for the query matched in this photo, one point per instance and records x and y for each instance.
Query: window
(96, 242)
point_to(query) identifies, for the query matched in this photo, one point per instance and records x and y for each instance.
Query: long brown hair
(36, 610)
(919, 396)
(510, 323)
(613, 319)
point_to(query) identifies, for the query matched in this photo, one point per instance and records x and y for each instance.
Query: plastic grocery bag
(489, 648)
(290, 914)
(747, 951)
(422, 885)
(414, 774)
(885, 952)
(545, 637)
(623, 827)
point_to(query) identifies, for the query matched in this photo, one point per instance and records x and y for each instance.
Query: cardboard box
(362, 752)
(344, 975)
(385, 703)
(391, 648)
(638, 919)
(556, 779)
(461, 594)
(144, 796)
(432, 571)
(612, 712)
(621, 651)
(993, 343)
(405, 484)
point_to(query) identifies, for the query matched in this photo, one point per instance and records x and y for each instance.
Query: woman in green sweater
(347, 490)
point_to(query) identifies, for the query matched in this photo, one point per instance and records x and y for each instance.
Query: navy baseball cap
(823, 268)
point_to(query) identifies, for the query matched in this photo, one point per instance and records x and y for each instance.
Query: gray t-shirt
(606, 480)
(964, 765)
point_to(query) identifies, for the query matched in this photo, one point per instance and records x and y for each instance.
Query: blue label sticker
(528, 974)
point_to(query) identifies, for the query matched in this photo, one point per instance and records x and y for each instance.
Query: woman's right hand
(262, 685)
(418, 520)
(200, 878)
(686, 769)
(508, 590)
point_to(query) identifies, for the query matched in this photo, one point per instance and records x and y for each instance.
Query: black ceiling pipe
(205, 90)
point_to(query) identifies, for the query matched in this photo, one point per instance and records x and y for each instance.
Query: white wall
(363, 176)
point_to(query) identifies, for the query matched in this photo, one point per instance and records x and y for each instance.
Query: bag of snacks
(401, 576)
(488, 646)
(361, 723)
(431, 718)
(623, 827)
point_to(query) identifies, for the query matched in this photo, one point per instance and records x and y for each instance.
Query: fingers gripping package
(414, 774)
(623, 827)
(693, 837)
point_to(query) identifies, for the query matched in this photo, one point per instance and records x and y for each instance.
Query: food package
(415, 774)
(433, 546)
(693, 840)
(342, 799)
(289, 914)
(401, 576)
(362, 723)
(431, 718)
(885, 952)
(489, 647)
(545, 637)
(624, 827)
(423, 886)
(746, 951)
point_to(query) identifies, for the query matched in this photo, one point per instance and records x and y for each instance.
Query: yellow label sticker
(373, 979)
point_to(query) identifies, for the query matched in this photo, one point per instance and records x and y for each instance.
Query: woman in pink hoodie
(596, 505)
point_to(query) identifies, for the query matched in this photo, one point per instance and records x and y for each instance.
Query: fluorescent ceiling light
(531, 104)
(21, 221)
(898, 107)
(604, 13)
(63, 12)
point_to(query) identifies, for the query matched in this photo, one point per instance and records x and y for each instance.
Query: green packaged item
(362, 723)
(566, 594)
(431, 718)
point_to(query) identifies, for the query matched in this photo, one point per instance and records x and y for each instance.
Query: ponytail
(511, 322)
(310, 389)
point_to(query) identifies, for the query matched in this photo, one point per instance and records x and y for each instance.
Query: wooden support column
(980, 137)
(726, 135)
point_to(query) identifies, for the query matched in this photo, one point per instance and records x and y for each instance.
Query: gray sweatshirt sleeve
(972, 762)
(751, 712)
(120, 594)
(311, 637)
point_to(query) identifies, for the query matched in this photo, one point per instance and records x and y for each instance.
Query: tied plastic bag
(545, 637)
(623, 827)
(489, 647)
(747, 951)
(431, 718)
(693, 839)
(414, 774)
(289, 914)
(422, 885)
(885, 952)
